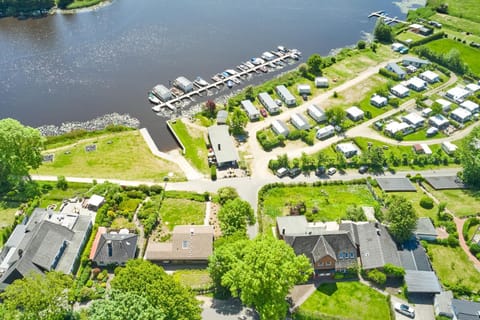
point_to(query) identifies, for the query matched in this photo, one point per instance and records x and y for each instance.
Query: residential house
(268, 103)
(429, 76)
(465, 310)
(189, 244)
(114, 248)
(299, 122)
(416, 84)
(321, 82)
(422, 148)
(252, 112)
(395, 68)
(400, 91)
(95, 202)
(304, 89)
(426, 112)
(378, 101)
(316, 113)
(416, 62)
(223, 147)
(472, 87)
(414, 120)
(470, 106)
(449, 147)
(286, 96)
(355, 113)
(424, 31)
(442, 304)
(348, 149)
(162, 92)
(394, 127)
(425, 230)
(325, 132)
(461, 115)
(280, 128)
(439, 121)
(183, 84)
(222, 116)
(457, 94)
(446, 105)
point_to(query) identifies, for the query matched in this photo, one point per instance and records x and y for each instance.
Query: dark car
(320, 171)
(263, 112)
(363, 169)
(304, 97)
(292, 173)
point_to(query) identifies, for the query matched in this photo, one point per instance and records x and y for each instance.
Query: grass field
(422, 135)
(458, 24)
(409, 35)
(468, 9)
(7, 213)
(193, 140)
(56, 196)
(182, 211)
(460, 202)
(346, 300)
(414, 198)
(83, 3)
(453, 267)
(119, 156)
(193, 278)
(332, 201)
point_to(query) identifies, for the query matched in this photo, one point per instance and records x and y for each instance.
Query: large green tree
(401, 217)
(38, 297)
(336, 115)
(160, 289)
(234, 216)
(20, 151)
(314, 63)
(383, 32)
(237, 121)
(469, 152)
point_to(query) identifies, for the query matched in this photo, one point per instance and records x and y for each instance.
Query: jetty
(388, 20)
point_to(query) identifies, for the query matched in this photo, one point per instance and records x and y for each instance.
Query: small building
(397, 46)
(299, 122)
(348, 149)
(465, 310)
(417, 84)
(285, 95)
(457, 94)
(162, 92)
(316, 113)
(426, 149)
(268, 103)
(304, 89)
(394, 127)
(449, 147)
(424, 31)
(415, 27)
(470, 106)
(429, 76)
(438, 121)
(222, 116)
(442, 304)
(446, 105)
(431, 131)
(378, 101)
(183, 84)
(425, 230)
(426, 112)
(355, 113)
(422, 282)
(280, 128)
(114, 248)
(400, 91)
(222, 145)
(472, 87)
(321, 82)
(416, 62)
(411, 69)
(325, 132)
(252, 112)
(395, 68)
(95, 202)
(414, 120)
(417, 148)
(461, 115)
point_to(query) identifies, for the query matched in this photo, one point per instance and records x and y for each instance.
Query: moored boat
(230, 84)
(236, 80)
(153, 99)
(201, 82)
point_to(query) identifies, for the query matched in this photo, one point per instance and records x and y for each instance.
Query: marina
(383, 15)
(185, 90)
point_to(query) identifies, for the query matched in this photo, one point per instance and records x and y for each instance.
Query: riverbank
(84, 6)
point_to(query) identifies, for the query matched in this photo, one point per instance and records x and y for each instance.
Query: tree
(234, 216)
(237, 121)
(374, 157)
(383, 32)
(38, 297)
(226, 193)
(160, 289)
(336, 115)
(436, 108)
(314, 63)
(361, 44)
(124, 305)
(63, 4)
(469, 153)
(249, 94)
(62, 183)
(355, 213)
(401, 217)
(20, 151)
(303, 69)
(210, 108)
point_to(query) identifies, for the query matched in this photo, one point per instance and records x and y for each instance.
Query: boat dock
(388, 20)
(220, 82)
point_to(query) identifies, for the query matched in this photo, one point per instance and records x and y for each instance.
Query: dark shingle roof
(425, 227)
(466, 310)
(422, 282)
(115, 248)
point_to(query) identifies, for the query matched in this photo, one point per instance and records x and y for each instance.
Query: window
(185, 244)
(321, 264)
(340, 256)
(352, 254)
(328, 263)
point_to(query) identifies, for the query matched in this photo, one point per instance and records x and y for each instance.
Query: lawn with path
(414, 198)
(468, 9)
(462, 202)
(182, 211)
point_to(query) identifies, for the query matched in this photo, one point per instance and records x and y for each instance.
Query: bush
(393, 271)
(377, 276)
(426, 202)
(213, 173)
(62, 183)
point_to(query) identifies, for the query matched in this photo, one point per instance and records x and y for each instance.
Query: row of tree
(13, 7)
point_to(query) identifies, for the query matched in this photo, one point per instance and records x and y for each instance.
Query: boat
(280, 63)
(225, 74)
(297, 52)
(216, 78)
(231, 72)
(263, 69)
(156, 108)
(236, 80)
(282, 49)
(257, 61)
(230, 84)
(249, 64)
(201, 82)
(153, 99)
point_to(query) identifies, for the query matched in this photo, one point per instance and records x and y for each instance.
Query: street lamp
(166, 179)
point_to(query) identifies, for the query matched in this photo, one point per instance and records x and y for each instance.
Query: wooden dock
(388, 20)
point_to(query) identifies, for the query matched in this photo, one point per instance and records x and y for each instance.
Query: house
(95, 202)
(457, 94)
(378, 101)
(189, 244)
(348, 149)
(183, 84)
(252, 112)
(465, 310)
(316, 113)
(268, 103)
(449, 147)
(470, 106)
(222, 144)
(424, 31)
(446, 105)
(395, 68)
(321, 82)
(438, 121)
(419, 148)
(325, 132)
(415, 27)
(425, 230)
(46, 241)
(426, 112)
(222, 116)
(280, 128)
(442, 304)
(395, 127)
(431, 131)
(400, 91)
(299, 122)
(114, 248)
(429, 76)
(416, 84)
(304, 89)
(355, 113)
(162, 92)
(461, 115)
(397, 46)
(472, 87)
(414, 120)
(416, 62)
(285, 95)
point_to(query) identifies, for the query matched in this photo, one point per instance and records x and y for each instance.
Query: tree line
(16, 7)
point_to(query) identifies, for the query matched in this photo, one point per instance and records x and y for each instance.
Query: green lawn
(453, 267)
(118, 156)
(193, 278)
(332, 201)
(414, 198)
(345, 300)
(468, 9)
(460, 202)
(182, 211)
(56, 196)
(7, 213)
(193, 139)
(422, 135)
(83, 3)
(458, 24)
(409, 35)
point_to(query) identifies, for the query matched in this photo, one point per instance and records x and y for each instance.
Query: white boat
(249, 64)
(236, 80)
(231, 72)
(282, 49)
(153, 99)
(230, 84)
(201, 82)
(156, 108)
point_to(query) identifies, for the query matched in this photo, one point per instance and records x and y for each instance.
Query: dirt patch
(213, 221)
(442, 233)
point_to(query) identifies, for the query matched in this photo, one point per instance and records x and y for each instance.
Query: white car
(331, 171)
(405, 310)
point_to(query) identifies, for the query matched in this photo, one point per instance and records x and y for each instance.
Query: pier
(170, 104)
(388, 20)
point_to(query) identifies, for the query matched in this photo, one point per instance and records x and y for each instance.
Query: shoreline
(103, 3)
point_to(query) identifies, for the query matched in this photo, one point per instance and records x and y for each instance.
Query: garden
(462, 202)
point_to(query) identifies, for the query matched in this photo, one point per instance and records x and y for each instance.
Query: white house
(470, 106)
(325, 132)
(400, 91)
(457, 94)
(355, 113)
(321, 82)
(378, 101)
(426, 112)
(426, 149)
(268, 103)
(461, 115)
(250, 109)
(395, 127)
(416, 62)
(449, 147)
(280, 128)
(183, 84)
(414, 120)
(397, 46)
(472, 87)
(304, 89)
(429, 76)
(446, 105)
(316, 113)
(417, 84)
(285, 95)
(438, 121)
(348, 149)
(299, 122)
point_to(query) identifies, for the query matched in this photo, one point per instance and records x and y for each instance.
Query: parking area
(231, 309)
(423, 307)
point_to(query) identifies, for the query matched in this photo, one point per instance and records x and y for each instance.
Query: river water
(77, 67)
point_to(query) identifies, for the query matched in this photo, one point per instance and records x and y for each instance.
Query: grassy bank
(77, 4)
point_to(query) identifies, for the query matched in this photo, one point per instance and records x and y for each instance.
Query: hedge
(434, 36)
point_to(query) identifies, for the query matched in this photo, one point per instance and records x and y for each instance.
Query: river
(77, 67)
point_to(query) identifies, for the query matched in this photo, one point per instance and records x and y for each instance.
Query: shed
(268, 103)
(95, 202)
(316, 113)
(472, 87)
(414, 120)
(442, 304)
(400, 91)
(446, 105)
(252, 112)
(422, 282)
(299, 122)
(325, 132)
(223, 147)
(355, 113)
(162, 92)
(461, 115)
(304, 89)
(280, 128)
(426, 112)
(470, 106)
(465, 310)
(183, 84)
(378, 101)
(222, 116)
(439, 121)
(395, 68)
(417, 84)
(348, 149)
(425, 229)
(321, 82)
(429, 76)
(395, 184)
(397, 46)
(285, 95)
(426, 149)
(394, 127)
(457, 94)
(449, 147)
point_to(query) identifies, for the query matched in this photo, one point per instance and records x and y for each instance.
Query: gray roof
(222, 116)
(414, 257)
(395, 68)
(425, 227)
(222, 144)
(415, 60)
(445, 182)
(422, 282)
(122, 248)
(395, 184)
(443, 303)
(466, 310)
(292, 225)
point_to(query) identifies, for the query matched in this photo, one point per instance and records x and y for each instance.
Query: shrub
(426, 202)
(377, 276)
(393, 271)
(213, 173)
(62, 183)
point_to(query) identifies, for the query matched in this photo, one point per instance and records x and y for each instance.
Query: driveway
(423, 308)
(231, 309)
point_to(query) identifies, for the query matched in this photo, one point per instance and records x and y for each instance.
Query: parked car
(363, 169)
(278, 102)
(304, 97)
(263, 112)
(282, 172)
(331, 171)
(405, 310)
(292, 173)
(320, 171)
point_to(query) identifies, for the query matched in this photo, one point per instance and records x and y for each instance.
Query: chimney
(192, 231)
(219, 147)
(378, 232)
(283, 231)
(20, 253)
(110, 248)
